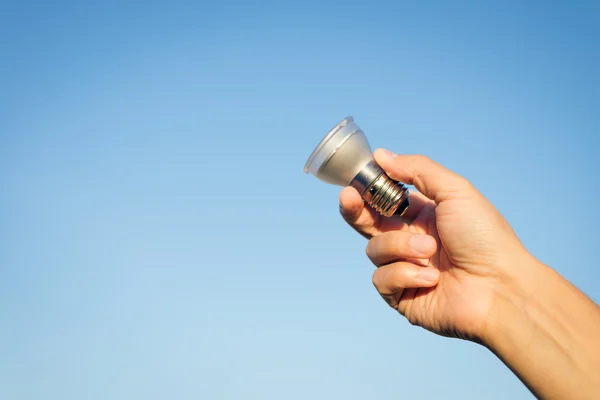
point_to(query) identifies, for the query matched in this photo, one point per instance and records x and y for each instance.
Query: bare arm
(548, 333)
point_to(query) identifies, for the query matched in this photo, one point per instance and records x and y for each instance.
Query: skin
(454, 266)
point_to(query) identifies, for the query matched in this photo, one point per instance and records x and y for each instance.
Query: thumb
(430, 178)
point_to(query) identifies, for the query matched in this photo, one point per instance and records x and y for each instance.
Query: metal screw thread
(387, 196)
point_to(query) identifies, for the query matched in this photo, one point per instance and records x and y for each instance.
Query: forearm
(548, 333)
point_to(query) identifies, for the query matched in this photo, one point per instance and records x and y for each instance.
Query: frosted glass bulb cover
(341, 155)
(344, 158)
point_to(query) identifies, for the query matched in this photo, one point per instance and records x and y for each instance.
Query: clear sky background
(159, 239)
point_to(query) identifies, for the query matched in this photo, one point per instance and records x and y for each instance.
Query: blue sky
(159, 238)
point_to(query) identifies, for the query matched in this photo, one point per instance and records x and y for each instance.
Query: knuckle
(420, 159)
(392, 301)
(381, 281)
(412, 320)
(371, 250)
(463, 185)
(467, 183)
(376, 279)
(417, 165)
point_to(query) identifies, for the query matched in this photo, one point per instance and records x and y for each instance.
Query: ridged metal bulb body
(387, 196)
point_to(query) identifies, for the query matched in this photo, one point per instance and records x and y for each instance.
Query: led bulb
(344, 158)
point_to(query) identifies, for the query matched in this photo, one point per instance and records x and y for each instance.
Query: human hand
(454, 266)
(444, 263)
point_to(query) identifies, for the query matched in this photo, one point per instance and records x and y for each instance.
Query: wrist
(515, 293)
(546, 331)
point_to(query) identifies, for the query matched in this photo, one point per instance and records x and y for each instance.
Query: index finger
(370, 223)
(430, 178)
(362, 218)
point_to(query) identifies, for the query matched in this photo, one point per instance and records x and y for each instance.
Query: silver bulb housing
(344, 158)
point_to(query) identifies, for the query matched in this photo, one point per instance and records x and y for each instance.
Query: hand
(445, 262)
(454, 266)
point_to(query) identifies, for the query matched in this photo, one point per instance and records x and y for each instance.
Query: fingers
(417, 202)
(393, 278)
(396, 245)
(363, 219)
(367, 221)
(394, 282)
(430, 178)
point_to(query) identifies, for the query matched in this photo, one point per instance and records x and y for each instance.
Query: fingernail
(429, 274)
(422, 244)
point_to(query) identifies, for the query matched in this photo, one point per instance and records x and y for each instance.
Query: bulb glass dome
(341, 155)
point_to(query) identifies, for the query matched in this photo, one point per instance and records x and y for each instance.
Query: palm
(448, 308)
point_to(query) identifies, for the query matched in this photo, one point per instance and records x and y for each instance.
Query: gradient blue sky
(158, 238)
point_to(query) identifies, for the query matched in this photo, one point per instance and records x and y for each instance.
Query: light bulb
(344, 158)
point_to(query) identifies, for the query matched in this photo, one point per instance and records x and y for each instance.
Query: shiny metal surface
(384, 194)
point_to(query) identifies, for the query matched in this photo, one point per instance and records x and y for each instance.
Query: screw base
(387, 196)
(384, 194)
